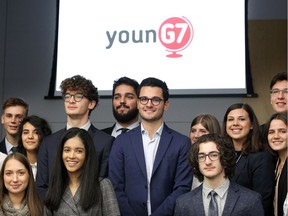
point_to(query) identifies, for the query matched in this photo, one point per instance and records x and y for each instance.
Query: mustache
(122, 105)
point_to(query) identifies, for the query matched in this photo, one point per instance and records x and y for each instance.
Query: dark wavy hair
(89, 182)
(41, 125)
(32, 198)
(83, 86)
(279, 116)
(154, 82)
(224, 146)
(253, 140)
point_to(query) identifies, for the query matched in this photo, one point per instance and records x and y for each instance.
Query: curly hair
(82, 85)
(224, 146)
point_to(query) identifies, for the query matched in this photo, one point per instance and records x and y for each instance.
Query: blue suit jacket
(102, 142)
(240, 201)
(171, 175)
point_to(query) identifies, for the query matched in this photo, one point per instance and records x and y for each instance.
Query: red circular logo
(176, 34)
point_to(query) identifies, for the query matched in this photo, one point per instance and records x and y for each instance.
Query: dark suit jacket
(4, 150)
(256, 172)
(108, 130)
(240, 201)
(47, 150)
(171, 175)
(3, 147)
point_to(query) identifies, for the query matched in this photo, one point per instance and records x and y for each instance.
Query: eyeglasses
(275, 92)
(212, 156)
(77, 97)
(155, 100)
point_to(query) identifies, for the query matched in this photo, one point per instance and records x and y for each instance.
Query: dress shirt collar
(220, 190)
(85, 126)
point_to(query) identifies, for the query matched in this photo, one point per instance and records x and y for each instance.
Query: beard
(125, 117)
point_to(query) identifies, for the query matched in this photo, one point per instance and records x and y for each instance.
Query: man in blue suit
(213, 160)
(148, 165)
(80, 99)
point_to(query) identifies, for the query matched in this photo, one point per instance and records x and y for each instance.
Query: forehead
(280, 84)
(15, 110)
(13, 164)
(238, 112)
(277, 123)
(124, 88)
(150, 91)
(74, 142)
(207, 147)
(198, 126)
(28, 125)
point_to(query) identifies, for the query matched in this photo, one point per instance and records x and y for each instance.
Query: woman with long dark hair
(75, 178)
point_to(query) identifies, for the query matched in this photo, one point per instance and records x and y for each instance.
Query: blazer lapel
(231, 199)
(197, 201)
(137, 146)
(72, 201)
(164, 143)
(241, 164)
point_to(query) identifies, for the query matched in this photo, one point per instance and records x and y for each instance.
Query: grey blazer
(240, 201)
(70, 205)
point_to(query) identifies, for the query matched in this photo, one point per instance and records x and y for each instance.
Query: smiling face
(279, 100)
(73, 155)
(277, 136)
(11, 119)
(149, 112)
(238, 125)
(16, 177)
(30, 137)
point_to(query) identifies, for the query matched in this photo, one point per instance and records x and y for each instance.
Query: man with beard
(124, 101)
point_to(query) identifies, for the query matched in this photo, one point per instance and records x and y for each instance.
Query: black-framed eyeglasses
(154, 100)
(275, 92)
(77, 97)
(212, 156)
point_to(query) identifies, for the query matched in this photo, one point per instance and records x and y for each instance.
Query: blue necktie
(213, 208)
(14, 149)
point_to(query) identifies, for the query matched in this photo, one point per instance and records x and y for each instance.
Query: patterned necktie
(123, 130)
(213, 208)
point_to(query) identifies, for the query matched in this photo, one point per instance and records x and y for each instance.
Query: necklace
(238, 155)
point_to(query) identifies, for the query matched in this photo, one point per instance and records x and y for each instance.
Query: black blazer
(4, 150)
(108, 130)
(3, 147)
(102, 142)
(256, 172)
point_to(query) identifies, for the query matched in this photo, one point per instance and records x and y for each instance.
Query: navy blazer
(171, 175)
(240, 201)
(102, 142)
(256, 172)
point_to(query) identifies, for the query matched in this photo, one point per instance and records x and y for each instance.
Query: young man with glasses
(124, 105)
(213, 160)
(13, 112)
(279, 92)
(80, 99)
(148, 166)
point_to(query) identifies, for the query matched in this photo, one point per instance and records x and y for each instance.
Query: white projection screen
(196, 47)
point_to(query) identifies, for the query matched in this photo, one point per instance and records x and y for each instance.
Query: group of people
(139, 165)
